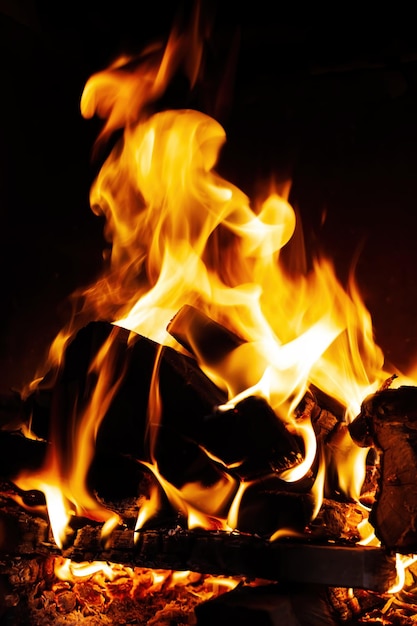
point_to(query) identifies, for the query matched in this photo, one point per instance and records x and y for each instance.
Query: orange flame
(181, 234)
(63, 477)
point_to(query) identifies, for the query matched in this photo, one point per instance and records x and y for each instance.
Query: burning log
(190, 421)
(203, 337)
(243, 555)
(18, 452)
(187, 393)
(219, 553)
(210, 342)
(388, 421)
(250, 438)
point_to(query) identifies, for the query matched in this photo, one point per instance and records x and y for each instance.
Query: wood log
(209, 341)
(269, 605)
(250, 439)
(218, 553)
(337, 521)
(19, 453)
(189, 422)
(241, 555)
(187, 393)
(388, 421)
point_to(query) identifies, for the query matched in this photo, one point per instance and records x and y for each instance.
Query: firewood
(250, 438)
(337, 521)
(189, 422)
(211, 552)
(203, 337)
(187, 393)
(242, 555)
(269, 605)
(388, 421)
(187, 396)
(263, 512)
(19, 453)
(210, 342)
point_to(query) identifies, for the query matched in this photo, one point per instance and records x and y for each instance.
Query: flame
(65, 569)
(180, 234)
(402, 562)
(200, 505)
(63, 477)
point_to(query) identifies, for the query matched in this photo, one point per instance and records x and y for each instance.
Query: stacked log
(197, 438)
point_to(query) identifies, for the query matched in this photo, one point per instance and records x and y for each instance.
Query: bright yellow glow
(402, 562)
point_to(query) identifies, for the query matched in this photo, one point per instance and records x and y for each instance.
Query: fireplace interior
(329, 108)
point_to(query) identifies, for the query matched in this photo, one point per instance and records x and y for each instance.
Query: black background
(325, 98)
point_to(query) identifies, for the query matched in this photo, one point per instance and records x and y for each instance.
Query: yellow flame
(181, 234)
(148, 509)
(199, 504)
(65, 569)
(63, 477)
(402, 562)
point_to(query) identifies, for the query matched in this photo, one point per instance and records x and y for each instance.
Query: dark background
(327, 99)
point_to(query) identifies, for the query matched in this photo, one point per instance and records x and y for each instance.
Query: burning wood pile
(315, 555)
(210, 419)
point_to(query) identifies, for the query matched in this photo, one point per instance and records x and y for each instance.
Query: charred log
(269, 605)
(250, 438)
(265, 512)
(241, 555)
(337, 521)
(210, 342)
(189, 421)
(187, 393)
(19, 453)
(206, 339)
(388, 421)
(249, 441)
(231, 554)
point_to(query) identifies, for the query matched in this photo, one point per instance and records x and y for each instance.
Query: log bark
(388, 421)
(241, 555)
(217, 553)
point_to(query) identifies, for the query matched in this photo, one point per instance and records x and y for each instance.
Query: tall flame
(181, 234)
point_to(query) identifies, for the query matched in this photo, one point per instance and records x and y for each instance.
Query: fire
(181, 234)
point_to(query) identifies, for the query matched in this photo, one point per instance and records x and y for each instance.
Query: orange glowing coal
(181, 234)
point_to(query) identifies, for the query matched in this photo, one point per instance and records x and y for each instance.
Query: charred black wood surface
(269, 605)
(185, 423)
(202, 336)
(211, 552)
(388, 421)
